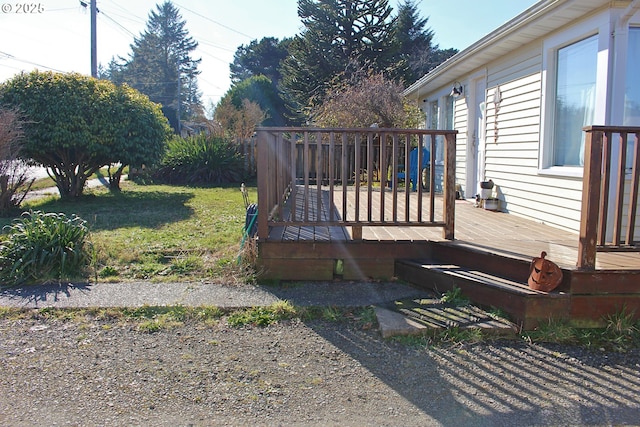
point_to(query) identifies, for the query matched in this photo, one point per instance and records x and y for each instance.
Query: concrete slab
(421, 316)
(393, 323)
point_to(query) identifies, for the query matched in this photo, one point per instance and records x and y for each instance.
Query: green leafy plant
(41, 247)
(201, 159)
(263, 316)
(455, 297)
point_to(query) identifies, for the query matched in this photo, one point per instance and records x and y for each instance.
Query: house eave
(540, 19)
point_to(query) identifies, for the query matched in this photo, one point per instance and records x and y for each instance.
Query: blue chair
(415, 173)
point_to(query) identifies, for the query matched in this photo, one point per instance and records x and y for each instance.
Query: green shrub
(201, 159)
(40, 247)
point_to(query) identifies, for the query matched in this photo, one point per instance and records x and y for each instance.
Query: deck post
(449, 205)
(591, 188)
(356, 232)
(262, 167)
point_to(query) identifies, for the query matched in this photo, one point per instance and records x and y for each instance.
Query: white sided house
(525, 93)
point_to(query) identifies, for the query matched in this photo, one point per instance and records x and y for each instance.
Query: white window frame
(602, 26)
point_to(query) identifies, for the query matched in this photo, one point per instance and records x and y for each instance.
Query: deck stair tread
(482, 278)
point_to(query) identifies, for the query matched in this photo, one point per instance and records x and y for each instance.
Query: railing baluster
(418, 172)
(431, 178)
(394, 177)
(604, 188)
(332, 159)
(319, 176)
(293, 153)
(383, 172)
(344, 175)
(619, 201)
(633, 192)
(407, 187)
(369, 174)
(358, 167)
(306, 155)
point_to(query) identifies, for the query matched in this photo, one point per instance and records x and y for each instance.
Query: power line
(117, 23)
(14, 58)
(215, 22)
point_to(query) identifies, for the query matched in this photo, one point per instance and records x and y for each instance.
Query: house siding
(512, 145)
(516, 153)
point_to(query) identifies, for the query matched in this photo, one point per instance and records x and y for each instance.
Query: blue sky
(58, 38)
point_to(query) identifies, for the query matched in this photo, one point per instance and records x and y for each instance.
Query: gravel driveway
(94, 373)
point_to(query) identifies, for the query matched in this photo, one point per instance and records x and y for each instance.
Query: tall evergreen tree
(339, 37)
(416, 54)
(259, 58)
(255, 75)
(161, 66)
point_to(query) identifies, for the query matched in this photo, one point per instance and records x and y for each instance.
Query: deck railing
(609, 192)
(349, 177)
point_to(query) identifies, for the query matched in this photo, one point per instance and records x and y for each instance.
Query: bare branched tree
(364, 100)
(15, 181)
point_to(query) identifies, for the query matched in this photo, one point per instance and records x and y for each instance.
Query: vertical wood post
(591, 187)
(449, 208)
(262, 166)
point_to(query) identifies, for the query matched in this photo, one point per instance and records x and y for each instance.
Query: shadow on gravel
(44, 295)
(501, 382)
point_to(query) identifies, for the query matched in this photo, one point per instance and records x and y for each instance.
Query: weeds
(455, 298)
(263, 316)
(620, 333)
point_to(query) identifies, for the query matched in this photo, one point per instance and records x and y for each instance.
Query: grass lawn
(160, 232)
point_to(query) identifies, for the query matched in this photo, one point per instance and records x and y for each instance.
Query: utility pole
(178, 108)
(94, 48)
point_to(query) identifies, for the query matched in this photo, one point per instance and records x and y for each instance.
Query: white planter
(485, 193)
(491, 204)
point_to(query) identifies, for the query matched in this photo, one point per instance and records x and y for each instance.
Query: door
(476, 141)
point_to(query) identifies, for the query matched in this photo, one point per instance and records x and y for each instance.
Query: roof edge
(499, 33)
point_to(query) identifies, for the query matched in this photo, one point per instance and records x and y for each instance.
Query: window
(448, 113)
(632, 90)
(632, 86)
(433, 115)
(575, 97)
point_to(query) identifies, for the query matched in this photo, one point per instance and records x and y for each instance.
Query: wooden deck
(331, 206)
(489, 260)
(476, 228)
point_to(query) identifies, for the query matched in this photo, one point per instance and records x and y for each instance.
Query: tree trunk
(114, 179)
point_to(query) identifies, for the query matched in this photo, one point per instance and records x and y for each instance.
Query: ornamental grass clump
(43, 247)
(200, 159)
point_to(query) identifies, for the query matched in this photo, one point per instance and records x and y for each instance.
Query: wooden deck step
(525, 306)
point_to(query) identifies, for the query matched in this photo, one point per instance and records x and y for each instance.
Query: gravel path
(96, 372)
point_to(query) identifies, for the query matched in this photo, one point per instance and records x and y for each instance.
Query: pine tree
(259, 58)
(416, 53)
(161, 66)
(340, 37)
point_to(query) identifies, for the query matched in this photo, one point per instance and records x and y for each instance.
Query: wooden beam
(591, 182)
